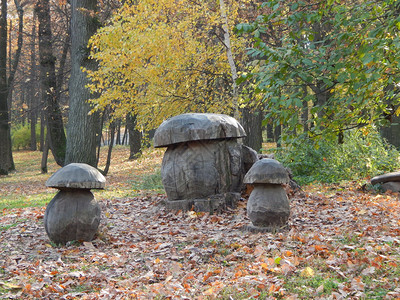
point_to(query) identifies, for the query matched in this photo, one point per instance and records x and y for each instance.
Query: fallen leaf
(10, 286)
(307, 272)
(368, 271)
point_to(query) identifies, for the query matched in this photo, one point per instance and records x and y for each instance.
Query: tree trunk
(270, 133)
(55, 127)
(252, 124)
(135, 137)
(45, 155)
(124, 136)
(83, 129)
(392, 132)
(110, 147)
(32, 90)
(5, 145)
(42, 127)
(227, 42)
(6, 159)
(61, 68)
(118, 129)
(277, 134)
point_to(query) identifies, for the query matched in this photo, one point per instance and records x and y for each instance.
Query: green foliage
(361, 155)
(21, 136)
(334, 61)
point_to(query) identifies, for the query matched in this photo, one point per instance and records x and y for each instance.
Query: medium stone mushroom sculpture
(73, 214)
(268, 205)
(203, 166)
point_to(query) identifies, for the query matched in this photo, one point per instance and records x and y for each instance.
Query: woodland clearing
(342, 242)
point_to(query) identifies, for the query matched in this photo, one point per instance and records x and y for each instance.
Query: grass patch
(6, 227)
(20, 201)
(305, 287)
(148, 182)
(127, 178)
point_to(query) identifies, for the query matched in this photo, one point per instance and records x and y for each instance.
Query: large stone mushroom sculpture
(202, 167)
(73, 214)
(268, 205)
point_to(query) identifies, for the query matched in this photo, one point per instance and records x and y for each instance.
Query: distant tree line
(286, 69)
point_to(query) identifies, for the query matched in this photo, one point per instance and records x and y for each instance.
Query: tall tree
(33, 103)
(6, 83)
(162, 58)
(338, 57)
(83, 129)
(135, 137)
(55, 125)
(229, 54)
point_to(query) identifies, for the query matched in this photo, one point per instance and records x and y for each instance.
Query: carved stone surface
(72, 215)
(201, 168)
(77, 175)
(204, 165)
(393, 186)
(267, 170)
(195, 127)
(249, 157)
(268, 205)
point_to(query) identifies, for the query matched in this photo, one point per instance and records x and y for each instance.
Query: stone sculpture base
(212, 204)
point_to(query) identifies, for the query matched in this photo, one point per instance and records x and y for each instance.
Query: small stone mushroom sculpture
(73, 214)
(203, 166)
(268, 205)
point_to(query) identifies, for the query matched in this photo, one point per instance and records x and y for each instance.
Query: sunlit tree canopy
(161, 58)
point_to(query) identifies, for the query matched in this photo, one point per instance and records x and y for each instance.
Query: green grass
(152, 182)
(26, 186)
(20, 201)
(6, 227)
(303, 287)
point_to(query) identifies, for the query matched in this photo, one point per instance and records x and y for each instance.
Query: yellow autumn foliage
(159, 58)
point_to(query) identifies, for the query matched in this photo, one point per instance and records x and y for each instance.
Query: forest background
(311, 76)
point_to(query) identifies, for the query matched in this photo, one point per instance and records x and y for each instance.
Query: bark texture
(392, 132)
(135, 137)
(268, 206)
(83, 130)
(33, 103)
(55, 125)
(6, 84)
(252, 124)
(5, 145)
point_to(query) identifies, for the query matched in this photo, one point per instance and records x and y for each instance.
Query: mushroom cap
(267, 170)
(394, 176)
(195, 127)
(78, 176)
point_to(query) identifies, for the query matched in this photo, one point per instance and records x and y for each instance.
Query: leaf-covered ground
(342, 243)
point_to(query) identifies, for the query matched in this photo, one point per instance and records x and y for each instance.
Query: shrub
(21, 136)
(363, 154)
